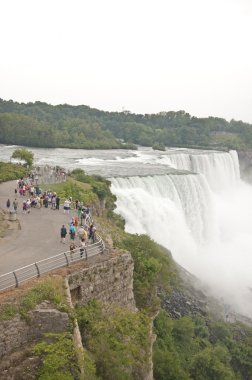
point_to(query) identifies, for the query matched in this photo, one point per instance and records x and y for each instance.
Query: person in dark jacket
(63, 232)
(8, 204)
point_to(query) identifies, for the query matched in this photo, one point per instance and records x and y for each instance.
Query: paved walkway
(38, 238)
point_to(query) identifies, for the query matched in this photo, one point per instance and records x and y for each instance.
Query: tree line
(40, 124)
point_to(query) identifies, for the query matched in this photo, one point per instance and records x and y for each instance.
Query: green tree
(119, 340)
(24, 155)
(212, 363)
(167, 366)
(59, 357)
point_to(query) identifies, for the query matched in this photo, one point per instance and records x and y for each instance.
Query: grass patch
(72, 188)
(50, 289)
(8, 312)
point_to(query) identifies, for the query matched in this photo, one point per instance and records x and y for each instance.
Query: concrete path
(38, 238)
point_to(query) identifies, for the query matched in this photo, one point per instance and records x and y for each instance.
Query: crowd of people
(80, 234)
(32, 196)
(80, 229)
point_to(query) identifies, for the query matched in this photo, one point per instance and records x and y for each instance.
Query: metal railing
(15, 278)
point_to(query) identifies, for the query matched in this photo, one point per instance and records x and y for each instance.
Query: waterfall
(204, 217)
(220, 169)
(184, 201)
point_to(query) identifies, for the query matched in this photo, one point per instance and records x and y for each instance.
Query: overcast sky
(139, 55)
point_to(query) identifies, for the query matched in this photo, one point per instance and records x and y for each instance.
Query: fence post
(36, 265)
(102, 247)
(16, 279)
(66, 259)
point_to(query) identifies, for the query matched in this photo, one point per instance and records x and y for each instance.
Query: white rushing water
(191, 201)
(205, 219)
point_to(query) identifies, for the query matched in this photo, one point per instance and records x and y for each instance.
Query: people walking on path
(82, 233)
(8, 204)
(67, 205)
(15, 204)
(53, 201)
(57, 202)
(24, 207)
(63, 233)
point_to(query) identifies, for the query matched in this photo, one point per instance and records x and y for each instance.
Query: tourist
(54, 201)
(57, 202)
(79, 212)
(76, 221)
(91, 233)
(72, 248)
(15, 204)
(46, 201)
(67, 205)
(82, 234)
(8, 204)
(72, 231)
(24, 207)
(28, 205)
(63, 233)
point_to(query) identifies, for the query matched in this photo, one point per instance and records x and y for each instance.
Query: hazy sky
(144, 56)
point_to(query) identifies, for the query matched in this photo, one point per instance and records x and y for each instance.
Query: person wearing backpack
(72, 231)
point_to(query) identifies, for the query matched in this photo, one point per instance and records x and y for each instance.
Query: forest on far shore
(40, 124)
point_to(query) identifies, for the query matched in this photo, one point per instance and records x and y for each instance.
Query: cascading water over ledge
(203, 218)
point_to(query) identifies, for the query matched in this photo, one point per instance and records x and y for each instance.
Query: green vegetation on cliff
(200, 348)
(118, 340)
(50, 288)
(58, 355)
(43, 125)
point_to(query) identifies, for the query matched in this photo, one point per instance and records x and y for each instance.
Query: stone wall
(110, 282)
(16, 332)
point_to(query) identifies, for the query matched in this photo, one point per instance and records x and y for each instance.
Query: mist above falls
(204, 217)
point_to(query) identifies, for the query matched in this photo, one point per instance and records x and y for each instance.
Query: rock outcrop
(245, 161)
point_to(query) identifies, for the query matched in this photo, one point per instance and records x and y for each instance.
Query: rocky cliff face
(109, 281)
(245, 160)
(190, 298)
(17, 332)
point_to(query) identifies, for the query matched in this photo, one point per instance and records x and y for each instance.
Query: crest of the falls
(219, 168)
